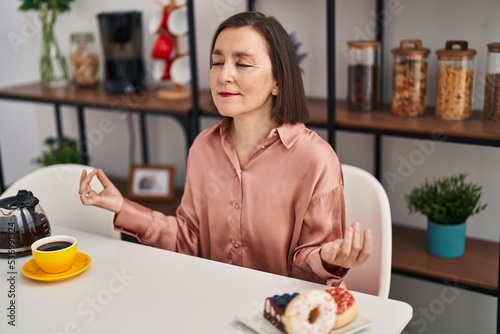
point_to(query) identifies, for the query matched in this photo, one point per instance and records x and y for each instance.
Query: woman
(262, 191)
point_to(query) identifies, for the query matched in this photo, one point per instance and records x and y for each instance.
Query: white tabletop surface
(132, 288)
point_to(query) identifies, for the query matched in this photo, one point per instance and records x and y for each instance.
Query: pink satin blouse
(272, 214)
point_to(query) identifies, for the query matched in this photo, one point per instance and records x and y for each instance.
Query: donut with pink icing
(311, 312)
(347, 307)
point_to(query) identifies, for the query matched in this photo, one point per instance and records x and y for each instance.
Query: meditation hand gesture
(351, 251)
(109, 198)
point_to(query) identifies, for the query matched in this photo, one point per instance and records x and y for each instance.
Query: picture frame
(151, 182)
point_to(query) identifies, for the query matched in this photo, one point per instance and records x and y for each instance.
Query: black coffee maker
(121, 37)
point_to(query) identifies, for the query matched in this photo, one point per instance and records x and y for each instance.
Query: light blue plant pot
(446, 241)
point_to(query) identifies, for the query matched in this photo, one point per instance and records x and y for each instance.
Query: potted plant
(60, 151)
(447, 202)
(53, 66)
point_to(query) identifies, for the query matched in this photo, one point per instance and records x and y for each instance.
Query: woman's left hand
(349, 252)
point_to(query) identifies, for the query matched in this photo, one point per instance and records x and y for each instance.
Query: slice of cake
(274, 309)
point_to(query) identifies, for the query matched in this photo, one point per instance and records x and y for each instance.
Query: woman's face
(241, 78)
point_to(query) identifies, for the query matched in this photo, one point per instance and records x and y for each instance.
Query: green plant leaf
(56, 6)
(29, 5)
(60, 151)
(446, 200)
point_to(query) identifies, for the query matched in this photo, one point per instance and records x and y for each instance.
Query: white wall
(432, 21)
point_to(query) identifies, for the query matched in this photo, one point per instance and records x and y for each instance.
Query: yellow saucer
(82, 262)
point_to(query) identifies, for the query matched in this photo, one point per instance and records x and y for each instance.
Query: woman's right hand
(109, 198)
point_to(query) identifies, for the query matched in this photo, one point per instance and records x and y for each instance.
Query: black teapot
(22, 222)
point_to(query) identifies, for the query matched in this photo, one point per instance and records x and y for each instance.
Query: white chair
(366, 202)
(56, 187)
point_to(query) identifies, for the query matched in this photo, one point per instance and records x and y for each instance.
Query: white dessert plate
(256, 321)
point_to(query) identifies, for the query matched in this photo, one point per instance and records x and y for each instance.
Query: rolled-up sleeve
(175, 233)
(323, 222)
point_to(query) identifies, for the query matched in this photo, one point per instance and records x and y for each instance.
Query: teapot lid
(23, 199)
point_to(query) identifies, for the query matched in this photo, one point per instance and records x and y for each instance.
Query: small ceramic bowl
(54, 254)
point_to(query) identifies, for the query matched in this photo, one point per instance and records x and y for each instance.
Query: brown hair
(289, 106)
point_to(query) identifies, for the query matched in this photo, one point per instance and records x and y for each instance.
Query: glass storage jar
(84, 60)
(409, 78)
(363, 72)
(455, 81)
(491, 107)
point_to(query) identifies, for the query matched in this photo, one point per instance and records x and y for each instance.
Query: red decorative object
(163, 47)
(172, 64)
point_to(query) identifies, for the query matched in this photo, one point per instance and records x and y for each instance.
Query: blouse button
(237, 206)
(236, 245)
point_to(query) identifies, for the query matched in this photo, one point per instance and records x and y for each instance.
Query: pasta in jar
(455, 81)
(454, 92)
(409, 84)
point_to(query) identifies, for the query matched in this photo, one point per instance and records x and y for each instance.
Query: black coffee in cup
(54, 246)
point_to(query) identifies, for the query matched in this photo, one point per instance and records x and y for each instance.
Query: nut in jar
(363, 72)
(455, 81)
(84, 60)
(491, 107)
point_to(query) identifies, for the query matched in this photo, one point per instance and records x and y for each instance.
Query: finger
(83, 184)
(352, 254)
(87, 177)
(84, 198)
(347, 243)
(367, 249)
(85, 188)
(84, 174)
(103, 178)
(357, 241)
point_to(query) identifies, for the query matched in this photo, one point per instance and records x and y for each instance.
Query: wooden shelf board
(146, 101)
(478, 267)
(384, 121)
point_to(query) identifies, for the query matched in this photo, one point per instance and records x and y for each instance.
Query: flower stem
(51, 55)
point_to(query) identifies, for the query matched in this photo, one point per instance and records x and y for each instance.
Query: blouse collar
(288, 133)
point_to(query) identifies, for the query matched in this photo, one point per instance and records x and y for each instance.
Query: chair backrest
(56, 187)
(366, 202)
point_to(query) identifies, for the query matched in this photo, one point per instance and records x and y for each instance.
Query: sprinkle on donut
(347, 308)
(311, 312)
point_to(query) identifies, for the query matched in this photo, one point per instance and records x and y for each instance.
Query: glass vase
(54, 70)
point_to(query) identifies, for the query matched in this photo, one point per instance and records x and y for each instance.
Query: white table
(132, 288)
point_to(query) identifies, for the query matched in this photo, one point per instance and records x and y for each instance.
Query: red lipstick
(226, 94)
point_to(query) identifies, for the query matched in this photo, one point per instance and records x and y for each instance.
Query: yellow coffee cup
(54, 254)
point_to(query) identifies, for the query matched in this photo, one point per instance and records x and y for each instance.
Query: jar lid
(364, 44)
(411, 47)
(449, 53)
(494, 47)
(82, 37)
